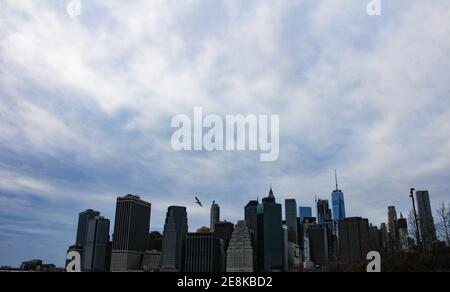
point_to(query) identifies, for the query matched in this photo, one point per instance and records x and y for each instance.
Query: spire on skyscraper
(271, 193)
(336, 179)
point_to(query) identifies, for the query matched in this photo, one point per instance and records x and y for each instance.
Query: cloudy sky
(86, 104)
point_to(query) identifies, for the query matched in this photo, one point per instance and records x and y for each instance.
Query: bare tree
(443, 224)
(412, 227)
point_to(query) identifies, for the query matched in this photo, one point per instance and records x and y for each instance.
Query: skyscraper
(374, 238)
(426, 221)
(384, 238)
(270, 235)
(215, 215)
(304, 212)
(318, 236)
(96, 246)
(240, 254)
(174, 239)
(155, 241)
(251, 220)
(403, 233)
(83, 221)
(353, 240)
(291, 220)
(337, 199)
(224, 230)
(203, 253)
(323, 212)
(393, 229)
(131, 229)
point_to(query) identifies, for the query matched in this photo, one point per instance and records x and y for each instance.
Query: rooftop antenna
(335, 177)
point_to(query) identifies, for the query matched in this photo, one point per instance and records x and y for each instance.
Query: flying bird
(198, 202)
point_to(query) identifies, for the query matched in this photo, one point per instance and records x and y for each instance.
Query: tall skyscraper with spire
(337, 198)
(270, 235)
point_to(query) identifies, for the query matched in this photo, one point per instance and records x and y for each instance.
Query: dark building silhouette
(426, 222)
(83, 221)
(353, 240)
(174, 239)
(96, 247)
(384, 239)
(203, 253)
(302, 226)
(319, 244)
(304, 212)
(290, 208)
(403, 234)
(323, 212)
(270, 235)
(224, 230)
(215, 215)
(155, 241)
(374, 238)
(251, 216)
(251, 219)
(131, 228)
(393, 241)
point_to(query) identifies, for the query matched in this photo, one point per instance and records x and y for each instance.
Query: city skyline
(92, 214)
(86, 103)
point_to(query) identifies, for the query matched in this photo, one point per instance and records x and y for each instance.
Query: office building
(224, 230)
(304, 212)
(393, 229)
(203, 253)
(295, 258)
(251, 213)
(269, 235)
(96, 246)
(319, 242)
(353, 240)
(290, 206)
(131, 228)
(215, 215)
(323, 212)
(155, 241)
(240, 253)
(83, 221)
(174, 239)
(403, 234)
(426, 222)
(374, 238)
